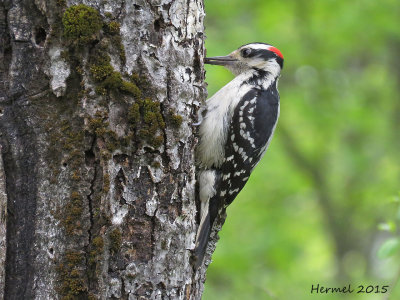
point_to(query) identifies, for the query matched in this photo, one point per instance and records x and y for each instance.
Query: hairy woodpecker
(236, 130)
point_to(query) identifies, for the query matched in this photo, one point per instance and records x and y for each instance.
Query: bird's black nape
(280, 62)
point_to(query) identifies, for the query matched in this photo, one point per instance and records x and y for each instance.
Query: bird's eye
(246, 52)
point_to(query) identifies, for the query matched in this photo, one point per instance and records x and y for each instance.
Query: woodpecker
(236, 130)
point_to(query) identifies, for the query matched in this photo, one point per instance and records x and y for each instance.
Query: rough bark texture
(97, 158)
(3, 228)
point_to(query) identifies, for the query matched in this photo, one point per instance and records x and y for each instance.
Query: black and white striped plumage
(237, 128)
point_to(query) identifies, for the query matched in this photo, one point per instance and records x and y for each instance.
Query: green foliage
(336, 142)
(81, 23)
(389, 248)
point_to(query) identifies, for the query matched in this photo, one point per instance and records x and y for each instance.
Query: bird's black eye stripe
(245, 52)
(264, 54)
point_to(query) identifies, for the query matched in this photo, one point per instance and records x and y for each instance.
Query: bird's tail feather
(203, 235)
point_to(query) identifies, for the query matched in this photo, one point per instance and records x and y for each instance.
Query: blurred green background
(322, 206)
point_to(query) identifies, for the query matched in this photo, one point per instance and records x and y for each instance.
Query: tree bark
(97, 148)
(3, 228)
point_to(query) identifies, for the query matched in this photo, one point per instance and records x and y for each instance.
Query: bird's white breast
(220, 107)
(213, 129)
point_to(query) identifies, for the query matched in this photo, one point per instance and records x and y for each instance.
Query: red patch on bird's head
(276, 51)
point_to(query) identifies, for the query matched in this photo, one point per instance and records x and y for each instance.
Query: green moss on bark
(87, 35)
(134, 115)
(175, 120)
(96, 251)
(71, 276)
(107, 78)
(112, 27)
(115, 238)
(145, 117)
(131, 88)
(72, 214)
(81, 23)
(106, 183)
(156, 164)
(100, 128)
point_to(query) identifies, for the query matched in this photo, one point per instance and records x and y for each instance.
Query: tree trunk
(97, 175)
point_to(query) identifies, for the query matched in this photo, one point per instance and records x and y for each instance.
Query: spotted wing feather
(250, 131)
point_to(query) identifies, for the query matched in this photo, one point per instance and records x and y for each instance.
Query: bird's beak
(220, 60)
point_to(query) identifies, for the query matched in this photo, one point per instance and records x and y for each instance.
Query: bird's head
(255, 56)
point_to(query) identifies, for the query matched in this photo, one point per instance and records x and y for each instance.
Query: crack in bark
(121, 9)
(6, 48)
(3, 225)
(92, 163)
(120, 183)
(153, 228)
(165, 157)
(186, 19)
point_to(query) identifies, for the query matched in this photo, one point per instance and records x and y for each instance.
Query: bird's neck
(259, 78)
